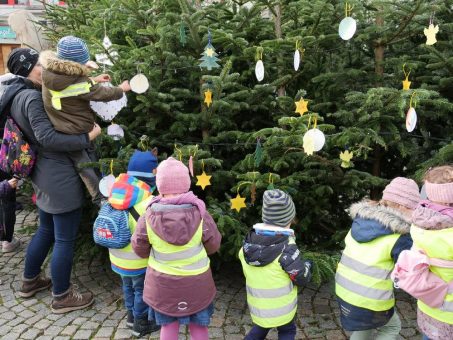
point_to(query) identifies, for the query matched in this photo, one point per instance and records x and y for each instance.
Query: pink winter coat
(176, 220)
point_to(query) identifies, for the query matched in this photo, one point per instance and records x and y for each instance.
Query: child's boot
(130, 319)
(143, 326)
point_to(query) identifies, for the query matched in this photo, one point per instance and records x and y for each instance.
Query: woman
(58, 188)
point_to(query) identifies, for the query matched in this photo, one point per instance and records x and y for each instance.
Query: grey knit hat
(278, 208)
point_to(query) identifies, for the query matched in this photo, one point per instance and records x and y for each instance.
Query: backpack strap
(134, 214)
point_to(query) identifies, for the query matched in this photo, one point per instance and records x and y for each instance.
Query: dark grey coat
(57, 184)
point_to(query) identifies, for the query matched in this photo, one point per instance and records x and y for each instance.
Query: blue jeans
(59, 231)
(285, 332)
(425, 337)
(133, 295)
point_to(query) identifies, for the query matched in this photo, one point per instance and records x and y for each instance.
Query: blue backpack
(111, 227)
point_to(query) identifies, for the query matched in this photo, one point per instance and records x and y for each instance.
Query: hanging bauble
(106, 42)
(259, 70)
(108, 110)
(139, 83)
(106, 184)
(296, 60)
(115, 131)
(209, 56)
(317, 136)
(411, 119)
(430, 34)
(348, 25)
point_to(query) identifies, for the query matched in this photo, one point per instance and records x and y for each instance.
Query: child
(8, 215)
(128, 189)
(67, 91)
(178, 234)
(273, 268)
(379, 233)
(432, 232)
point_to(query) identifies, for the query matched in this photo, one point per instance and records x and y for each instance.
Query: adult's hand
(102, 78)
(95, 132)
(125, 86)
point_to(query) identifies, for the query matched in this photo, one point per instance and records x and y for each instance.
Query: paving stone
(53, 331)
(90, 325)
(69, 330)
(31, 334)
(43, 324)
(83, 334)
(105, 332)
(4, 329)
(26, 314)
(123, 334)
(11, 336)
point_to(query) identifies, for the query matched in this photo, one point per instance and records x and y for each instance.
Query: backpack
(17, 158)
(412, 274)
(111, 227)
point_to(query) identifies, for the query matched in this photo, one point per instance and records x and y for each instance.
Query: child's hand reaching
(102, 78)
(13, 182)
(125, 86)
(95, 132)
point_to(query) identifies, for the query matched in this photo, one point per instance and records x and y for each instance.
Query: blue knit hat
(141, 166)
(278, 208)
(73, 49)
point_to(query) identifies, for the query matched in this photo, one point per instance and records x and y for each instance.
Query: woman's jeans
(59, 231)
(285, 332)
(133, 295)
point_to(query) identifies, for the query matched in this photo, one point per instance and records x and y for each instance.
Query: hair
(440, 175)
(393, 205)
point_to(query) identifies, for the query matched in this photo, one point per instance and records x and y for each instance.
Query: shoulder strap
(134, 214)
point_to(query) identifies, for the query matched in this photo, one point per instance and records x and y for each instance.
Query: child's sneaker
(130, 319)
(144, 326)
(10, 247)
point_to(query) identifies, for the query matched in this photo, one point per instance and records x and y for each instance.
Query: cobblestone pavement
(317, 316)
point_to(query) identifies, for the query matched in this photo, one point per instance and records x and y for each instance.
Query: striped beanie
(73, 49)
(127, 191)
(278, 208)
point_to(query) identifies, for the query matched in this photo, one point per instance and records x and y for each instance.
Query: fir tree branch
(403, 25)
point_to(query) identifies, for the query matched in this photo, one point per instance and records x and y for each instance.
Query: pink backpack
(412, 274)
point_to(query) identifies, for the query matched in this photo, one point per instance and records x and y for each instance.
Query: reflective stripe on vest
(126, 258)
(437, 244)
(71, 91)
(363, 274)
(269, 307)
(185, 260)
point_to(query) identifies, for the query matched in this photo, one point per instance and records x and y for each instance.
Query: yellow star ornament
(208, 98)
(209, 52)
(346, 157)
(301, 106)
(203, 180)
(238, 203)
(406, 84)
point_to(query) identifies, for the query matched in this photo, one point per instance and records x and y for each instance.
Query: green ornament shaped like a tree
(209, 56)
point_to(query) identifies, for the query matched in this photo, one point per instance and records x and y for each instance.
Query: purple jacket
(176, 220)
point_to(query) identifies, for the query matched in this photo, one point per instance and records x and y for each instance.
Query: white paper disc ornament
(411, 119)
(347, 28)
(139, 83)
(259, 70)
(106, 184)
(318, 137)
(115, 131)
(107, 43)
(107, 111)
(296, 60)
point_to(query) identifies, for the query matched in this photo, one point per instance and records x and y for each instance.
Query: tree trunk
(278, 35)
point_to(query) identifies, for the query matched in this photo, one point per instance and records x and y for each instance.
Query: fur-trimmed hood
(58, 73)
(371, 220)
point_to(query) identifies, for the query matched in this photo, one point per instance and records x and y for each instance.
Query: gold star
(346, 157)
(208, 97)
(209, 52)
(301, 106)
(430, 34)
(238, 203)
(203, 180)
(406, 84)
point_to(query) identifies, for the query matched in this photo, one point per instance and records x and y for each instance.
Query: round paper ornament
(296, 60)
(411, 119)
(115, 131)
(347, 28)
(259, 70)
(139, 83)
(107, 111)
(317, 136)
(106, 184)
(107, 43)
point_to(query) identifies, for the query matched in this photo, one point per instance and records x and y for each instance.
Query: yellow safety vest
(70, 91)
(363, 274)
(126, 257)
(271, 295)
(185, 260)
(437, 244)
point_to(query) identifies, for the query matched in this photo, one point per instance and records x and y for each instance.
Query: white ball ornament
(347, 28)
(411, 119)
(106, 184)
(296, 60)
(317, 136)
(259, 70)
(139, 83)
(115, 131)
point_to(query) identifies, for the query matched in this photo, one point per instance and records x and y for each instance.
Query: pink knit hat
(441, 193)
(172, 177)
(403, 191)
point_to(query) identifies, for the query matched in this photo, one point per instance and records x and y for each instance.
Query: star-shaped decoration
(406, 84)
(301, 106)
(208, 97)
(346, 157)
(430, 34)
(309, 145)
(209, 52)
(203, 180)
(238, 203)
